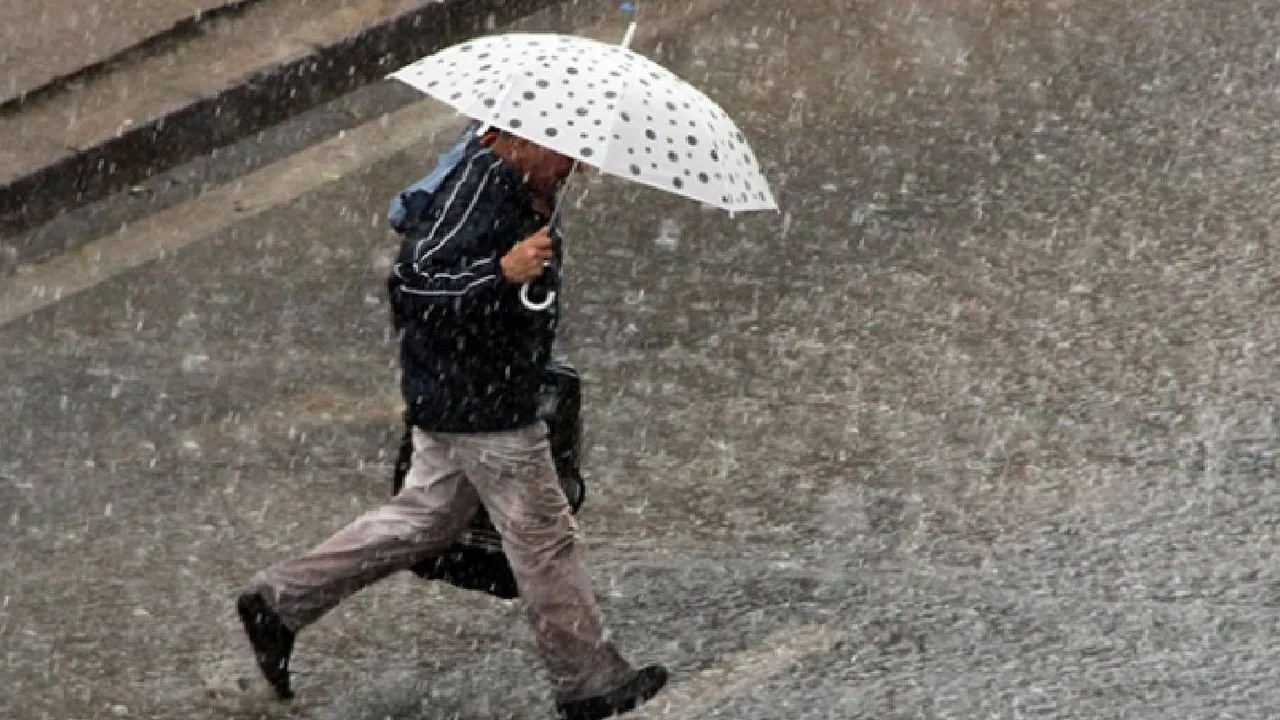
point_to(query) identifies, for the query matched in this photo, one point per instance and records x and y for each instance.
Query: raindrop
(669, 234)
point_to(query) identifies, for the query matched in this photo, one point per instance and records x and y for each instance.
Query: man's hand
(525, 261)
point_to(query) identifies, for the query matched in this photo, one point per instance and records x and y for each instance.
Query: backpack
(405, 212)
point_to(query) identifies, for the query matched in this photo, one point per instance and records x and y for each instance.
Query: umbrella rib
(609, 134)
(627, 37)
(499, 101)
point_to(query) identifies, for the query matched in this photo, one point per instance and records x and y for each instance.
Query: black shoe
(646, 683)
(272, 641)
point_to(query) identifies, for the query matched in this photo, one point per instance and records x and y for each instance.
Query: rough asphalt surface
(983, 425)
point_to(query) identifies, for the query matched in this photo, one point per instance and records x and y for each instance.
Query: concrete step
(229, 75)
(48, 43)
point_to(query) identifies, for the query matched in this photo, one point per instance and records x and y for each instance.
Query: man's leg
(429, 514)
(424, 519)
(515, 477)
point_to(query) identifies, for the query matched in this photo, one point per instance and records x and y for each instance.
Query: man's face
(547, 168)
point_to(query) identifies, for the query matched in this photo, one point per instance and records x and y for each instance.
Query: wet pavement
(980, 425)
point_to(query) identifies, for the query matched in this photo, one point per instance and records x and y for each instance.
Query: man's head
(544, 169)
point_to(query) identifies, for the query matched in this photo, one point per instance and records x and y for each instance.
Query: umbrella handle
(546, 302)
(539, 306)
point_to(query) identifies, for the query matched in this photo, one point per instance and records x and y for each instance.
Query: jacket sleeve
(454, 261)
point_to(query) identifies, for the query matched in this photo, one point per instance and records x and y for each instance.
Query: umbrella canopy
(603, 105)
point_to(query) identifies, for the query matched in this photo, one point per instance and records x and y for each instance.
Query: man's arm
(439, 271)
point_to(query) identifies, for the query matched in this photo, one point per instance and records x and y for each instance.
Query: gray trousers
(513, 474)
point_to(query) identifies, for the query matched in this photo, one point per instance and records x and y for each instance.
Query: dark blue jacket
(473, 358)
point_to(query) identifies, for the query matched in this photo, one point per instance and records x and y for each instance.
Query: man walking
(473, 358)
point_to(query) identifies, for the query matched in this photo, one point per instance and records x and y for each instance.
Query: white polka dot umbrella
(604, 105)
